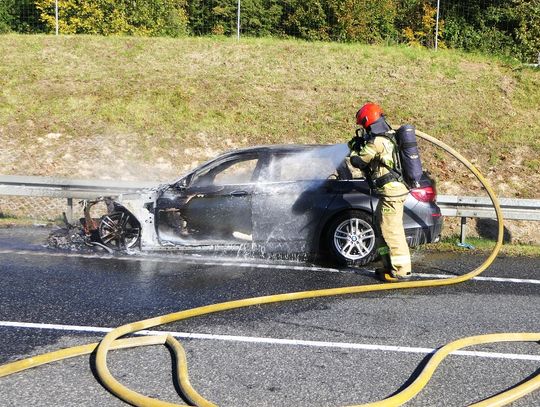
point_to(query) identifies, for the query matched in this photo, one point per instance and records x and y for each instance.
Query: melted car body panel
(141, 205)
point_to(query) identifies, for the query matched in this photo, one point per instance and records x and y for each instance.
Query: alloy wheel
(354, 238)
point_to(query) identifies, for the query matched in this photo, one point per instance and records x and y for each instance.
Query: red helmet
(368, 114)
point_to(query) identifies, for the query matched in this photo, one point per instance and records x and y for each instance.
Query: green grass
(187, 99)
(15, 221)
(480, 245)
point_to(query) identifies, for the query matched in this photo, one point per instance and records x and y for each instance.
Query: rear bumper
(422, 235)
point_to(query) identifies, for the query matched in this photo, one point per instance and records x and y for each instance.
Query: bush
(527, 15)
(306, 19)
(19, 16)
(369, 21)
(6, 17)
(417, 23)
(105, 17)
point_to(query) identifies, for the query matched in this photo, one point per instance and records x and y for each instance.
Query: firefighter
(375, 156)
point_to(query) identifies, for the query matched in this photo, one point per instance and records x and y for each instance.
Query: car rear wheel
(351, 238)
(119, 230)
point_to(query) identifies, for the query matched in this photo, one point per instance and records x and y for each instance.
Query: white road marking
(482, 278)
(273, 341)
(203, 262)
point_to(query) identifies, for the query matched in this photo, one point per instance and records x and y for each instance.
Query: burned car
(268, 199)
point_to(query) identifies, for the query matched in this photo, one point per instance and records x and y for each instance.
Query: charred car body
(269, 199)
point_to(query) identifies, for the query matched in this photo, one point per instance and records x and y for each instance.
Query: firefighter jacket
(376, 159)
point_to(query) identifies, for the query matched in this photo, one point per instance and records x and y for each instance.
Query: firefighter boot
(382, 275)
(389, 277)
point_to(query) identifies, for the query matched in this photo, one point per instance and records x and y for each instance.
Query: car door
(290, 199)
(216, 205)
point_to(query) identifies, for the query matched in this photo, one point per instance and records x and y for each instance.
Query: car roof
(269, 148)
(278, 148)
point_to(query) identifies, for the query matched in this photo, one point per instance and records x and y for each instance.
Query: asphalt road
(323, 352)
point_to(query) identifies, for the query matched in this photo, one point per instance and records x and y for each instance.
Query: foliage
(417, 23)
(19, 16)
(487, 29)
(527, 14)
(306, 19)
(369, 21)
(510, 28)
(260, 17)
(219, 17)
(6, 16)
(503, 27)
(105, 17)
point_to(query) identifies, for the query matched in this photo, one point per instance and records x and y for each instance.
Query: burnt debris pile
(69, 238)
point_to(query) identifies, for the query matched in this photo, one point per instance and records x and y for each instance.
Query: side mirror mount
(181, 185)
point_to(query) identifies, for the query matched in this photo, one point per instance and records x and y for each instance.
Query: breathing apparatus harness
(404, 146)
(407, 167)
(358, 142)
(395, 173)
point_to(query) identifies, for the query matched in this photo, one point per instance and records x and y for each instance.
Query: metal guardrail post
(69, 210)
(463, 230)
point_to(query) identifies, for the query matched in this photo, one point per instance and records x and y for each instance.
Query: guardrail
(479, 207)
(53, 187)
(455, 206)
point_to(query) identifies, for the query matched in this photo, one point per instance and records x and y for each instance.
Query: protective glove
(357, 162)
(356, 143)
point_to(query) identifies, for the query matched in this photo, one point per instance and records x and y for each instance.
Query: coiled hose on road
(111, 341)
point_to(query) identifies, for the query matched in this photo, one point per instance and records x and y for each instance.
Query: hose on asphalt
(112, 341)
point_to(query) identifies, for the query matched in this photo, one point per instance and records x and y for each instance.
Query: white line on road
(203, 262)
(273, 341)
(482, 278)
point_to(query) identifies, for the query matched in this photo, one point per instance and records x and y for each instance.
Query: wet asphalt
(51, 287)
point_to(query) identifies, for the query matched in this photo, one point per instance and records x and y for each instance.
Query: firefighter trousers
(392, 244)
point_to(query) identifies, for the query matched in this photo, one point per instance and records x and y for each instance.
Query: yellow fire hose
(111, 341)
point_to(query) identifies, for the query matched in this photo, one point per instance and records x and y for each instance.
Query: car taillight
(425, 194)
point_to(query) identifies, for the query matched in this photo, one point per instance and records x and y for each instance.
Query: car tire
(350, 238)
(119, 230)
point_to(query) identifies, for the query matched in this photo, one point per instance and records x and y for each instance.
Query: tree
(156, 17)
(199, 13)
(260, 17)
